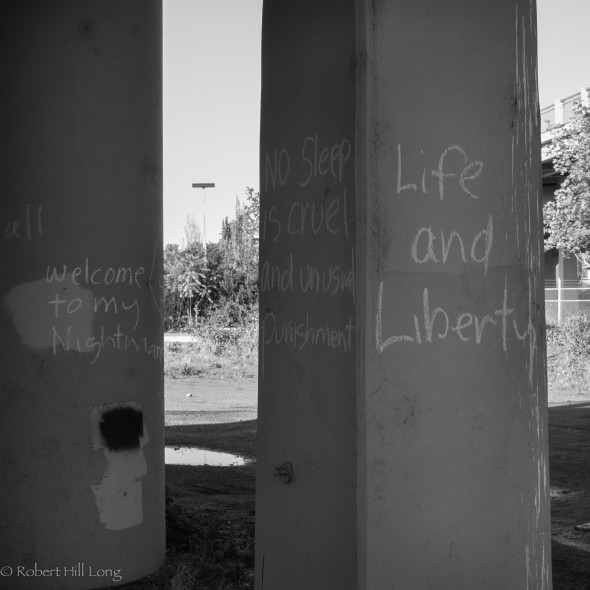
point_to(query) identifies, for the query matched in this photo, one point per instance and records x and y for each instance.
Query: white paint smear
(119, 495)
(39, 309)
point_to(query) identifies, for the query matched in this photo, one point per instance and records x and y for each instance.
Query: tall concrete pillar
(402, 408)
(81, 386)
(307, 377)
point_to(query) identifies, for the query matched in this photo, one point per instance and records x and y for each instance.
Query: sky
(563, 48)
(212, 97)
(211, 109)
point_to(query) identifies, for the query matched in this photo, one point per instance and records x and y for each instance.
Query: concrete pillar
(455, 471)
(307, 377)
(81, 386)
(430, 127)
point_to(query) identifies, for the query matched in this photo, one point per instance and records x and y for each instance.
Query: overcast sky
(212, 97)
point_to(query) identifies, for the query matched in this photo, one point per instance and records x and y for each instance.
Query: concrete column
(445, 393)
(81, 387)
(307, 377)
(453, 472)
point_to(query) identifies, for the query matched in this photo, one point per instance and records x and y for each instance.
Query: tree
(567, 216)
(185, 283)
(223, 279)
(239, 255)
(192, 232)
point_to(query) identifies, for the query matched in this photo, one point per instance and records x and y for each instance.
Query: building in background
(567, 281)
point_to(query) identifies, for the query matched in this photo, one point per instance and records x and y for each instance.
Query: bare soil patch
(569, 451)
(209, 515)
(205, 400)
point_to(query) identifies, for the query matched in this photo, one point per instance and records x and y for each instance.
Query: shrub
(573, 334)
(568, 358)
(230, 326)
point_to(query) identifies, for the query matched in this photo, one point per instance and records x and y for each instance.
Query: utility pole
(204, 186)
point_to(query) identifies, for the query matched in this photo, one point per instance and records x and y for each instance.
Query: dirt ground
(210, 516)
(569, 453)
(197, 400)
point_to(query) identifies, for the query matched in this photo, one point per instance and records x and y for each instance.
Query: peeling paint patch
(38, 306)
(119, 431)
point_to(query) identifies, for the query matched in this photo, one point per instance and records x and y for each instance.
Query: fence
(565, 298)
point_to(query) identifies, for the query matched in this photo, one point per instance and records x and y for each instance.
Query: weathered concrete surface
(454, 474)
(444, 394)
(81, 387)
(307, 375)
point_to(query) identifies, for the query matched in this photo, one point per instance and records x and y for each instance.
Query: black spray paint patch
(121, 428)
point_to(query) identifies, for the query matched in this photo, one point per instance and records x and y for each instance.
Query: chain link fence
(564, 299)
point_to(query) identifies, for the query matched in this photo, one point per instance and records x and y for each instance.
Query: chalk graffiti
(307, 279)
(436, 324)
(301, 334)
(462, 172)
(316, 161)
(88, 275)
(66, 339)
(29, 227)
(329, 160)
(422, 255)
(308, 218)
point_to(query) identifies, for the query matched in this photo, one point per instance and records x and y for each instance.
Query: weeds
(187, 370)
(568, 353)
(225, 346)
(187, 574)
(573, 334)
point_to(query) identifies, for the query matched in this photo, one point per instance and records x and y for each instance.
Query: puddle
(195, 456)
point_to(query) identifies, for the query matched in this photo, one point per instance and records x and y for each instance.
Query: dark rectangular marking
(121, 428)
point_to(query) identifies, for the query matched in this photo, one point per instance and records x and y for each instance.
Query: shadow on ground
(569, 454)
(210, 522)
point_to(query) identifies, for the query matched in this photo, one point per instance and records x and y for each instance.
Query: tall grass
(568, 353)
(225, 346)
